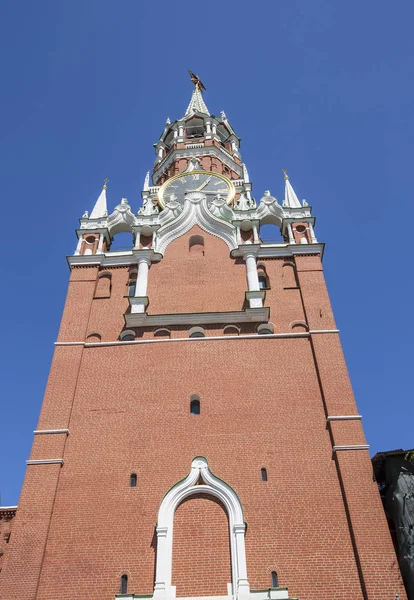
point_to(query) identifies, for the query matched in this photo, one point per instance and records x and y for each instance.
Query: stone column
(251, 272)
(243, 589)
(100, 245)
(290, 234)
(142, 279)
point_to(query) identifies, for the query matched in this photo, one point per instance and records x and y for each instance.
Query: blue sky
(324, 89)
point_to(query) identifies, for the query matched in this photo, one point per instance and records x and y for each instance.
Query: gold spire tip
(104, 185)
(285, 174)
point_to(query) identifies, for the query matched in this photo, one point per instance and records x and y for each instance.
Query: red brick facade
(317, 521)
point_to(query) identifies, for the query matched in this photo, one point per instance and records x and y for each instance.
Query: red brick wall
(264, 402)
(201, 549)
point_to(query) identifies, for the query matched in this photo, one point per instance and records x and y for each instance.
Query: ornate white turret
(100, 209)
(291, 200)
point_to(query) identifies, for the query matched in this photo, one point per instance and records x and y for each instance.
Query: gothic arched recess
(190, 486)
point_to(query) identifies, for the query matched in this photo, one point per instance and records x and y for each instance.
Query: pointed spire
(245, 174)
(197, 103)
(100, 208)
(291, 200)
(146, 182)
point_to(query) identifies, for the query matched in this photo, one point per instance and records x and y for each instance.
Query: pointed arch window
(197, 332)
(103, 285)
(123, 589)
(195, 405)
(263, 472)
(263, 277)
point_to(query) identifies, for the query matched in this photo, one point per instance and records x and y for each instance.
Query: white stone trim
(360, 447)
(281, 250)
(44, 431)
(185, 488)
(280, 593)
(313, 331)
(344, 418)
(302, 334)
(49, 461)
(8, 507)
(127, 257)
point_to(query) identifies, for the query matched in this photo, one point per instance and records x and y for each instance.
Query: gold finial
(286, 175)
(105, 182)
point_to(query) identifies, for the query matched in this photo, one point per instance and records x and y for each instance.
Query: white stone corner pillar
(254, 294)
(251, 271)
(100, 245)
(163, 571)
(140, 300)
(256, 239)
(79, 245)
(312, 234)
(138, 235)
(290, 234)
(242, 584)
(142, 279)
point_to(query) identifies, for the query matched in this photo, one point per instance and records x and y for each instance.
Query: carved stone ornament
(244, 202)
(148, 208)
(194, 165)
(121, 219)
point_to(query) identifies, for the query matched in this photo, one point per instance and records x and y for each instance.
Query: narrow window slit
(124, 584)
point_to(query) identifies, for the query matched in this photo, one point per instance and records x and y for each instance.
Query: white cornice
(358, 447)
(279, 250)
(114, 259)
(344, 418)
(45, 431)
(49, 461)
(250, 315)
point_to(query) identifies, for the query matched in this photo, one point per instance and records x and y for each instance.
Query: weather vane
(196, 80)
(105, 182)
(285, 173)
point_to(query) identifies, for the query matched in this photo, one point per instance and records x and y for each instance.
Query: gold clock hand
(203, 185)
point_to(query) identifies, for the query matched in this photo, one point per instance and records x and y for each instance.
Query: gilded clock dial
(206, 182)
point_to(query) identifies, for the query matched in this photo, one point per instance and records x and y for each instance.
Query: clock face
(206, 182)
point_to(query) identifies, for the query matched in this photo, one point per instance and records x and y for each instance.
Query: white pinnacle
(197, 103)
(100, 208)
(146, 181)
(291, 200)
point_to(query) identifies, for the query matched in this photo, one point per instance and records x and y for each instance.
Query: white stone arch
(195, 212)
(187, 487)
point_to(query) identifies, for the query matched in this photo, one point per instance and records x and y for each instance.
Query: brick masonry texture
(317, 521)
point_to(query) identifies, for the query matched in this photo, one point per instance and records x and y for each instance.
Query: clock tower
(199, 437)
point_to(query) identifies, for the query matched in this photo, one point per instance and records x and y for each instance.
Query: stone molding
(48, 461)
(45, 431)
(252, 336)
(359, 447)
(250, 315)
